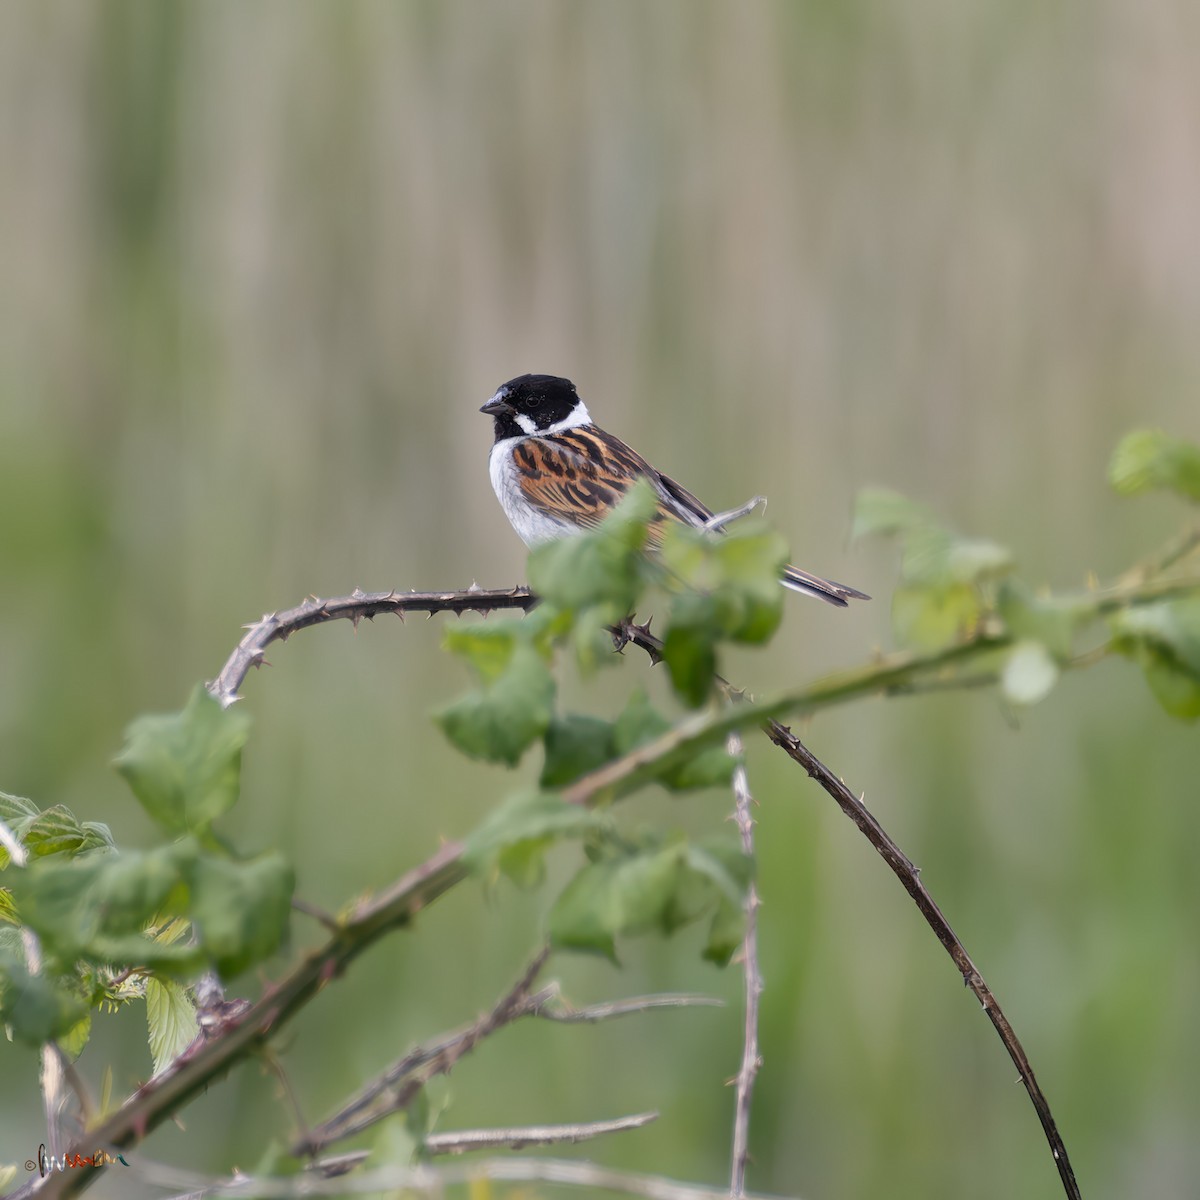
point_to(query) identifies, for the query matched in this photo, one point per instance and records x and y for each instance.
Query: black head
(532, 404)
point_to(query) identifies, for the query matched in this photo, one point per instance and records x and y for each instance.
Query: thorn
(399, 612)
(354, 620)
(357, 594)
(474, 587)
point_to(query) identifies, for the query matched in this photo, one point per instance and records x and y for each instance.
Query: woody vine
(86, 927)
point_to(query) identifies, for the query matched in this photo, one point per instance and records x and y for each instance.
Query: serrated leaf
(575, 744)
(15, 809)
(501, 720)
(601, 568)
(613, 897)
(37, 1008)
(516, 835)
(240, 910)
(640, 722)
(1029, 673)
(18, 814)
(1150, 458)
(170, 1019)
(73, 1042)
(54, 831)
(96, 907)
(185, 767)
(730, 592)
(655, 888)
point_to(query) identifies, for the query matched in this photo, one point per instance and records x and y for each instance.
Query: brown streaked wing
(579, 475)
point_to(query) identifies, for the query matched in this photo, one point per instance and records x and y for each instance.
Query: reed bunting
(556, 473)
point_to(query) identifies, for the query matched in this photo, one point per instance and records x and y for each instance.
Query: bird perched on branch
(556, 473)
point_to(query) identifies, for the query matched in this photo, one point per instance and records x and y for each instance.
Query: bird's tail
(824, 589)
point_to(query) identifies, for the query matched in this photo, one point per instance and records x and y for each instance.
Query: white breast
(532, 525)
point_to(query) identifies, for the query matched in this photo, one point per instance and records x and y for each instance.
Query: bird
(556, 473)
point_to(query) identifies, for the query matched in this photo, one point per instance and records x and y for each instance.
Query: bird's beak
(495, 406)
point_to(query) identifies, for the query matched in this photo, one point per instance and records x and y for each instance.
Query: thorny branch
(462, 1141)
(314, 611)
(426, 1180)
(750, 973)
(910, 877)
(236, 1037)
(396, 1087)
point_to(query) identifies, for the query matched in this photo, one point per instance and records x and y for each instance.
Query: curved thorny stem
(399, 904)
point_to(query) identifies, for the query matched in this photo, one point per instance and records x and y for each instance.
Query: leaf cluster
(113, 925)
(963, 591)
(714, 590)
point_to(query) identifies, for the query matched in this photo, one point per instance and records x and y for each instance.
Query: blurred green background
(260, 266)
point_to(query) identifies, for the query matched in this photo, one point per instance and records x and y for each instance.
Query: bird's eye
(533, 402)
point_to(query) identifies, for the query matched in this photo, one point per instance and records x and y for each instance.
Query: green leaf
(18, 814)
(613, 897)
(641, 722)
(58, 831)
(655, 888)
(934, 558)
(500, 721)
(74, 1041)
(730, 591)
(602, 568)
(185, 767)
(15, 809)
(516, 835)
(1177, 691)
(1029, 673)
(750, 562)
(931, 618)
(882, 511)
(171, 1019)
(240, 910)
(1150, 458)
(575, 744)
(37, 1008)
(488, 646)
(738, 573)
(725, 933)
(97, 907)
(1051, 622)
(689, 648)
(1164, 639)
